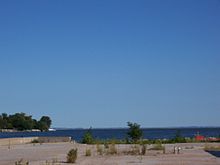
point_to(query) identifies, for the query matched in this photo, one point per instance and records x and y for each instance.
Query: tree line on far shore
(23, 122)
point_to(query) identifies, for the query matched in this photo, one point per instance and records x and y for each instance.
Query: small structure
(213, 139)
(199, 137)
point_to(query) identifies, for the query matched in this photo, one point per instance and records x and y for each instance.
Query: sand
(191, 154)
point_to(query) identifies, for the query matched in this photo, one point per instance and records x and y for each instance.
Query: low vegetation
(21, 162)
(211, 148)
(52, 162)
(88, 152)
(134, 136)
(112, 150)
(99, 149)
(158, 146)
(35, 141)
(72, 156)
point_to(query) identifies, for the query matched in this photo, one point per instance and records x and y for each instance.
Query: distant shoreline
(14, 130)
(98, 128)
(33, 130)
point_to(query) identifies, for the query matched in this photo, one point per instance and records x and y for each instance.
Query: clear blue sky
(103, 63)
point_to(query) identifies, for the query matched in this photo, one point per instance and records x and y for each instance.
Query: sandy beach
(39, 154)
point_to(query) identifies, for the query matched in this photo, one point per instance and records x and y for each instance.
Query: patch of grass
(158, 146)
(211, 148)
(112, 150)
(99, 149)
(88, 152)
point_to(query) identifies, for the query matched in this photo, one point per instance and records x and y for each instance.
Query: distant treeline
(22, 122)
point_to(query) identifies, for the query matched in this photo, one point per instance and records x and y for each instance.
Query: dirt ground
(39, 154)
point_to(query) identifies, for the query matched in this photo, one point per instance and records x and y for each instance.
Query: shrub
(21, 162)
(88, 152)
(35, 141)
(72, 156)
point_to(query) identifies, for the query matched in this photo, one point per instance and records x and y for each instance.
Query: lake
(119, 133)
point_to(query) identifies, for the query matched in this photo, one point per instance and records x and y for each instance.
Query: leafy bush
(72, 156)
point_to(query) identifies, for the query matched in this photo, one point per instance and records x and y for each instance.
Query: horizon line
(168, 127)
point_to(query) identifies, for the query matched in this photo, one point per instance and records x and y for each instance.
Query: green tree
(134, 133)
(4, 121)
(46, 120)
(87, 137)
(42, 126)
(35, 124)
(1, 122)
(21, 121)
(4, 116)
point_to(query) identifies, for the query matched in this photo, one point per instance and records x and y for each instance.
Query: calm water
(215, 153)
(152, 133)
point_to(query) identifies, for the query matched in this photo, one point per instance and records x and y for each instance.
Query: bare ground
(191, 154)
